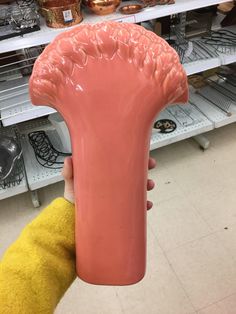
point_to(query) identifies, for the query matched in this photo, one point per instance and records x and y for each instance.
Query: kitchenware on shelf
(165, 126)
(10, 152)
(131, 9)
(63, 13)
(45, 153)
(109, 81)
(102, 7)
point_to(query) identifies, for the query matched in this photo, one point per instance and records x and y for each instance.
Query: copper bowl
(131, 9)
(103, 7)
(60, 14)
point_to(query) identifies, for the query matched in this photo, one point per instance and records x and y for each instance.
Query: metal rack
(219, 116)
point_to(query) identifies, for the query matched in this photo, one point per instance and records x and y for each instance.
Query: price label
(67, 16)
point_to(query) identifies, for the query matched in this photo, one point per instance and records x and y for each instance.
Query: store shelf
(15, 104)
(201, 65)
(18, 188)
(23, 112)
(227, 55)
(16, 107)
(46, 34)
(189, 120)
(37, 175)
(218, 117)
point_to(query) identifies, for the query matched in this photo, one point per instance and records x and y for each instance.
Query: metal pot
(102, 7)
(60, 14)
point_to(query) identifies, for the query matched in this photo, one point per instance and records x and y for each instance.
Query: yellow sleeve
(38, 268)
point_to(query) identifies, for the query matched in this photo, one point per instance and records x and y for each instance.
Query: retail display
(222, 37)
(222, 102)
(131, 9)
(150, 3)
(61, 13)
(10, 152)
(18, 18)
(198, 22)
(46, 155)
(80, 75)
(224, 88)
(15, 177)
(11, 163)
(205, 47)
(165, 126)
(102, 7)
(229, 78)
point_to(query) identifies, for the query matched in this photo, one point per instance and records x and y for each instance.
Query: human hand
(67, 173)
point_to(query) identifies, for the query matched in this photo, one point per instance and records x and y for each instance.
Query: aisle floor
(191, 236)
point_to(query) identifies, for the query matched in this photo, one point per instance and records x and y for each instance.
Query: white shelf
(228, 54)
(189, 120)
(18, 188)
(201, 65)
(218, 117)
(24, 112)
(15, 105)
(37, 175)
(46, 34)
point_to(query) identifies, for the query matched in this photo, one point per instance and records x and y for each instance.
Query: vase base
(112, 282)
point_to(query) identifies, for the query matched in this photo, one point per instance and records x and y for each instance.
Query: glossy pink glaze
(109, 81)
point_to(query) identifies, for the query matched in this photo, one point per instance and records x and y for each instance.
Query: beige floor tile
(225, 306)
(176, 222)
(47, 194)
(197, 178)
(165, 185)
(15, 213)
(159, 292)
(223, 138)
(177, 153)
(205, 269)
(153, 248)
(212, 309)
(83, 298)
(228, 239)
(218, 209)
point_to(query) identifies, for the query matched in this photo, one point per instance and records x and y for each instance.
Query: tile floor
(191, 236)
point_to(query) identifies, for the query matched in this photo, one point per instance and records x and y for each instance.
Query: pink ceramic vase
(109, 81)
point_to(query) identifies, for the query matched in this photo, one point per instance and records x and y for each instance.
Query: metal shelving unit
(46, 34)
(16, 107)
(198, 116)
